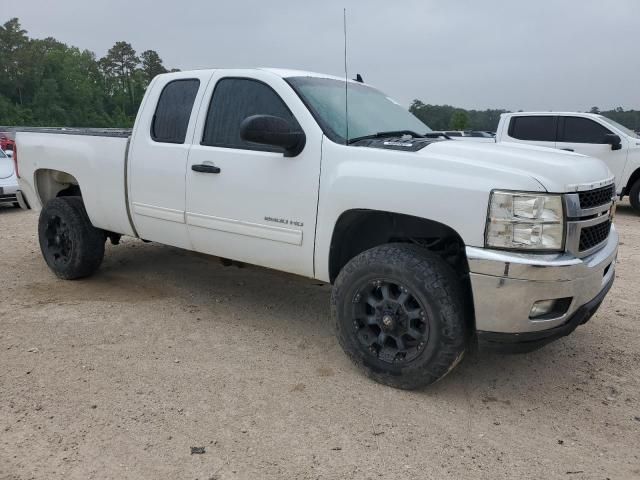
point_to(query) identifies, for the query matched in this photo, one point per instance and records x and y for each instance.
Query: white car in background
(8, 180)
(586, 133)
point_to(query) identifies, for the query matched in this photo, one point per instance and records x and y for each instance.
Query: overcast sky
(514, 54)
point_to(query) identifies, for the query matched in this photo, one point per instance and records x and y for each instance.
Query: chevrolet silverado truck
(586, 133)
(431, 245)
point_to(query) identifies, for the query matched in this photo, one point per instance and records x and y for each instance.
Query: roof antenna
(359, 78)
(346, 79)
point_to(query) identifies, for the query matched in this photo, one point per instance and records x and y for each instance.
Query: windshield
(2, 155)
(615, 124)
(370, 111)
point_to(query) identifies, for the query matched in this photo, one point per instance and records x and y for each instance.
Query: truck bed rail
(96, 132)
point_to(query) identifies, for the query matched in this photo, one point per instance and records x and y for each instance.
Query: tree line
(44, 82)
(446, 117)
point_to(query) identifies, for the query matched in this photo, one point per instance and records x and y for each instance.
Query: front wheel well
(359, 230)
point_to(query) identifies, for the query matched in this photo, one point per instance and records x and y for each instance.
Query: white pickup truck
(586, 133)
(430, 244)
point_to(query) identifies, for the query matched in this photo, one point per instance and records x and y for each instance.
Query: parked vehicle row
(430, 243)
(589, 134)
(8, 179)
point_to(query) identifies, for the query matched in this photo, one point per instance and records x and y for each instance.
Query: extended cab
(429, 243)
(586, 133)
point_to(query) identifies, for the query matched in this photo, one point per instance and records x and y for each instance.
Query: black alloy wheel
(389, 321)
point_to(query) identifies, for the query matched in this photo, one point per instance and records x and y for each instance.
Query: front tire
(399, 312)
(634, 196)
(72, 247)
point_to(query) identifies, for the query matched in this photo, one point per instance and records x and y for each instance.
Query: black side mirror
(274, 131)
(613, 140)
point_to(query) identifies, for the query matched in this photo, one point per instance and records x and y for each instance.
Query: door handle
(568, 149)
(204, 168)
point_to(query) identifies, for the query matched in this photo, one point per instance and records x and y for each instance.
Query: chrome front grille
(593, 236)
(597, 197)
(589, 218)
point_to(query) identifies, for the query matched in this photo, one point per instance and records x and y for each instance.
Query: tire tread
(436, 277)
(90, 241)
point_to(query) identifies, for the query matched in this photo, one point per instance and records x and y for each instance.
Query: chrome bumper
(506, 285)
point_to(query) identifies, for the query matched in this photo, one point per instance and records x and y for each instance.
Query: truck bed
(94, 157)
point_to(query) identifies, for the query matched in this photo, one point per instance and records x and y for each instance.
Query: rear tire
(634, 196)
(399, 312)
(70, 244)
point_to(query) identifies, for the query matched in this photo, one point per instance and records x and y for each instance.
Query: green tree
(13, 40)
(151, 64)
(459, 120)
(119, 64)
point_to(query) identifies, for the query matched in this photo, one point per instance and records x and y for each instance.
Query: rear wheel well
(360, 230)
(51, 184)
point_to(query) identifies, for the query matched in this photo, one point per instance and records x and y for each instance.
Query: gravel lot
(119, 375)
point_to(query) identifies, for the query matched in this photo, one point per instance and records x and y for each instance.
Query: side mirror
(274, 131)
(613, 140)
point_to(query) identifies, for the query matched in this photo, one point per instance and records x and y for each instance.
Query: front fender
(449, 193)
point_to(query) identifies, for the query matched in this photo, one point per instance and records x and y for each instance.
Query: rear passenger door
(158, 158)
(533, 130)
(586, 136)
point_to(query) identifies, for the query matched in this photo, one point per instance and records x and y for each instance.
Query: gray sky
(514, 54)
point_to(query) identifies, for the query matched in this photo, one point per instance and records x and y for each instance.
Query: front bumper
(506, 285)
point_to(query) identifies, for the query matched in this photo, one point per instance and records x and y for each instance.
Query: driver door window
(582, 130)
(586, 136)
(235, 99)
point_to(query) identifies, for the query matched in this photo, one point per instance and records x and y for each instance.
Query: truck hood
(6, 167)
(557, 171)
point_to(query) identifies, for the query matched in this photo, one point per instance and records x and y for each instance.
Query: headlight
(525, 221)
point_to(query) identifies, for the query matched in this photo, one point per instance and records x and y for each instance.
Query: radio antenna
(346, 79)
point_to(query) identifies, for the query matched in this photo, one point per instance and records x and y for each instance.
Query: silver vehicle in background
(8, 180)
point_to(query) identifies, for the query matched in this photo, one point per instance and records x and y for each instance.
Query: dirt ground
(119, 375)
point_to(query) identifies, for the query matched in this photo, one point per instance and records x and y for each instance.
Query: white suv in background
(586, 133)
(8, 180)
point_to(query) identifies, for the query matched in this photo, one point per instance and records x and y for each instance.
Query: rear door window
(537, 128)
(170, 122)
(582, 130)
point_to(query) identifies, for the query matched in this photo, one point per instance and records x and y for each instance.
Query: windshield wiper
(391, 133)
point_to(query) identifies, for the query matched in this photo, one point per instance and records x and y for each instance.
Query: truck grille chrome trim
(597, 197)
(594, 235)
(589, 219)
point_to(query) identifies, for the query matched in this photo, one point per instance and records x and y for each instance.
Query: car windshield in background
(2, 154)
(370, 111)
(615, 124)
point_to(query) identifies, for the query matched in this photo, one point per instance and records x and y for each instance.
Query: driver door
(585, 136)
(247, 201)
